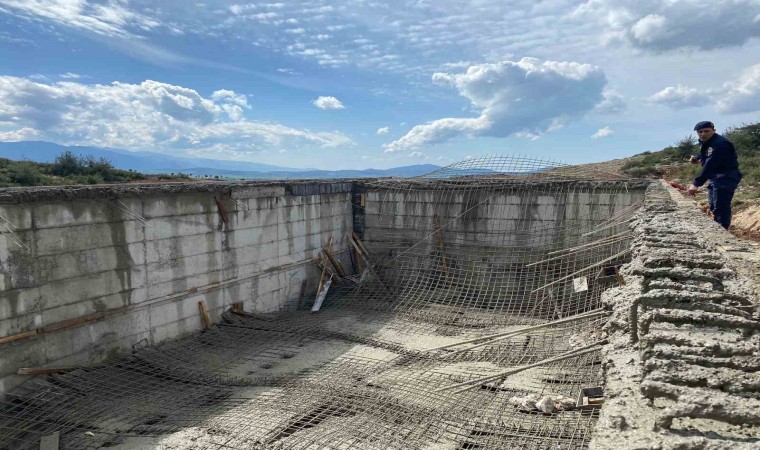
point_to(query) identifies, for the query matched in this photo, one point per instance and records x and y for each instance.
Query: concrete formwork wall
(488, 238)
(516, 219)
(88, 257)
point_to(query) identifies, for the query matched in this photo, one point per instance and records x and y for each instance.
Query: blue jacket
(718, 158)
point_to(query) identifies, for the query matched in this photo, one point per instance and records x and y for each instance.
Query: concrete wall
(519, 218)
(87, 256)
(489, 236)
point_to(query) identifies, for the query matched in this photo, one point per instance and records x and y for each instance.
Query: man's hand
(694, 160)
(691, 190)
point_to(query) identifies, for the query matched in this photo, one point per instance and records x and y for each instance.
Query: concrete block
(54, 241)
(184, 286)
(291, 214)
(55, 314)
(179, 205)
(19, 324)
(76, 264)
(18, 302)
(73, 290)
(252, 236)
(18, 269)
(164, 250)
(177, 226)
(263, 203)
(245, 193)
(83, 212)
(176, 329)
(28, 352)
(183, 267)
(16, 217)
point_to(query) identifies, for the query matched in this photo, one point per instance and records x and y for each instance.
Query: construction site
(496, 303)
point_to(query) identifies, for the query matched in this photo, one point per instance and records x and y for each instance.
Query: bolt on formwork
(474, 322)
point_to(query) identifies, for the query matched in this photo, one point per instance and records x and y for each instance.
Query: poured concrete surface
(692, 378)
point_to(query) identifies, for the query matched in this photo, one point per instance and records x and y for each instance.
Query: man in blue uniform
(720, 167)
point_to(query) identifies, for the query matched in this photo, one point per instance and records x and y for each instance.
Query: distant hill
(153, 163)
(405, 171)
(146, 162)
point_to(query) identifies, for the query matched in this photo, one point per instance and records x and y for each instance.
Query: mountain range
(152, 163)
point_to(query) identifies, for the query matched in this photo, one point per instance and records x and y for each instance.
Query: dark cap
(703, 124)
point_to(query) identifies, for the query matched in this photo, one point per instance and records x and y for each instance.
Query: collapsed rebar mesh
(459, 262)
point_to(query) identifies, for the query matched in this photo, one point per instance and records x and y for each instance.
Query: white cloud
(613, 103)
(70, 76)
(323, 102)
(110, 19)
(382, 131)
(663, 25)
(22, 134)
(148, 116)
(417, 155)
(679, 97)
(743, 94)
(602, 133)
(528, 96)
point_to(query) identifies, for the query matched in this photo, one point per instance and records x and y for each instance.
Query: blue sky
(362, 83)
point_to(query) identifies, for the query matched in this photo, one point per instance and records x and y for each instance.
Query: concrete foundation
(132, 264)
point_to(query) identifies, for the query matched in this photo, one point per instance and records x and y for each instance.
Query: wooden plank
(222, 210)
(360, 244)
(338, 267)
(439, 243)
(15, 337)
(322, 278)
(321, 296)
(205, 319)
(51, 441)
(43, 370)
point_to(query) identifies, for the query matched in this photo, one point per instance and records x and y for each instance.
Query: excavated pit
(477, 293)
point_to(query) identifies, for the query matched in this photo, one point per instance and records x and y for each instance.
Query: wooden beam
(333, 261)
(205, 319)
(322, 278)
(43, 370)
(15, 337)
(439, 243)
(222, 210)
(359, 242)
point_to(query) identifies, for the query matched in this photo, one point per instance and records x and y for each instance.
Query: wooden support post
(322, 278)
(359, 243)
(222, 210)
(338, 266)
(439, 242)
(205, 319)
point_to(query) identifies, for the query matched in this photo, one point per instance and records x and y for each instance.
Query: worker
(720, 168)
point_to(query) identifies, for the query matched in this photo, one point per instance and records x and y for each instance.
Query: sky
(348, 84)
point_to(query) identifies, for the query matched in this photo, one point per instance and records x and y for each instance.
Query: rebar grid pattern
(452, 258)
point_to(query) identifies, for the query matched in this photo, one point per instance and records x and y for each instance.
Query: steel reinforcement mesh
(477, 287)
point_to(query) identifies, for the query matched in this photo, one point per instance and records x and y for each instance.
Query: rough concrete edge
(111, 191)
(628, 419)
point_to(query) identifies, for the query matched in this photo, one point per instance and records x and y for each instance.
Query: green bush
(746, 139)
(67, 168)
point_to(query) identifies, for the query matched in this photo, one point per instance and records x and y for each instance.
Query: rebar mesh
(481, 248)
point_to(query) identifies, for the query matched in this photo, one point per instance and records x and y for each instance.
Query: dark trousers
(720, 192)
